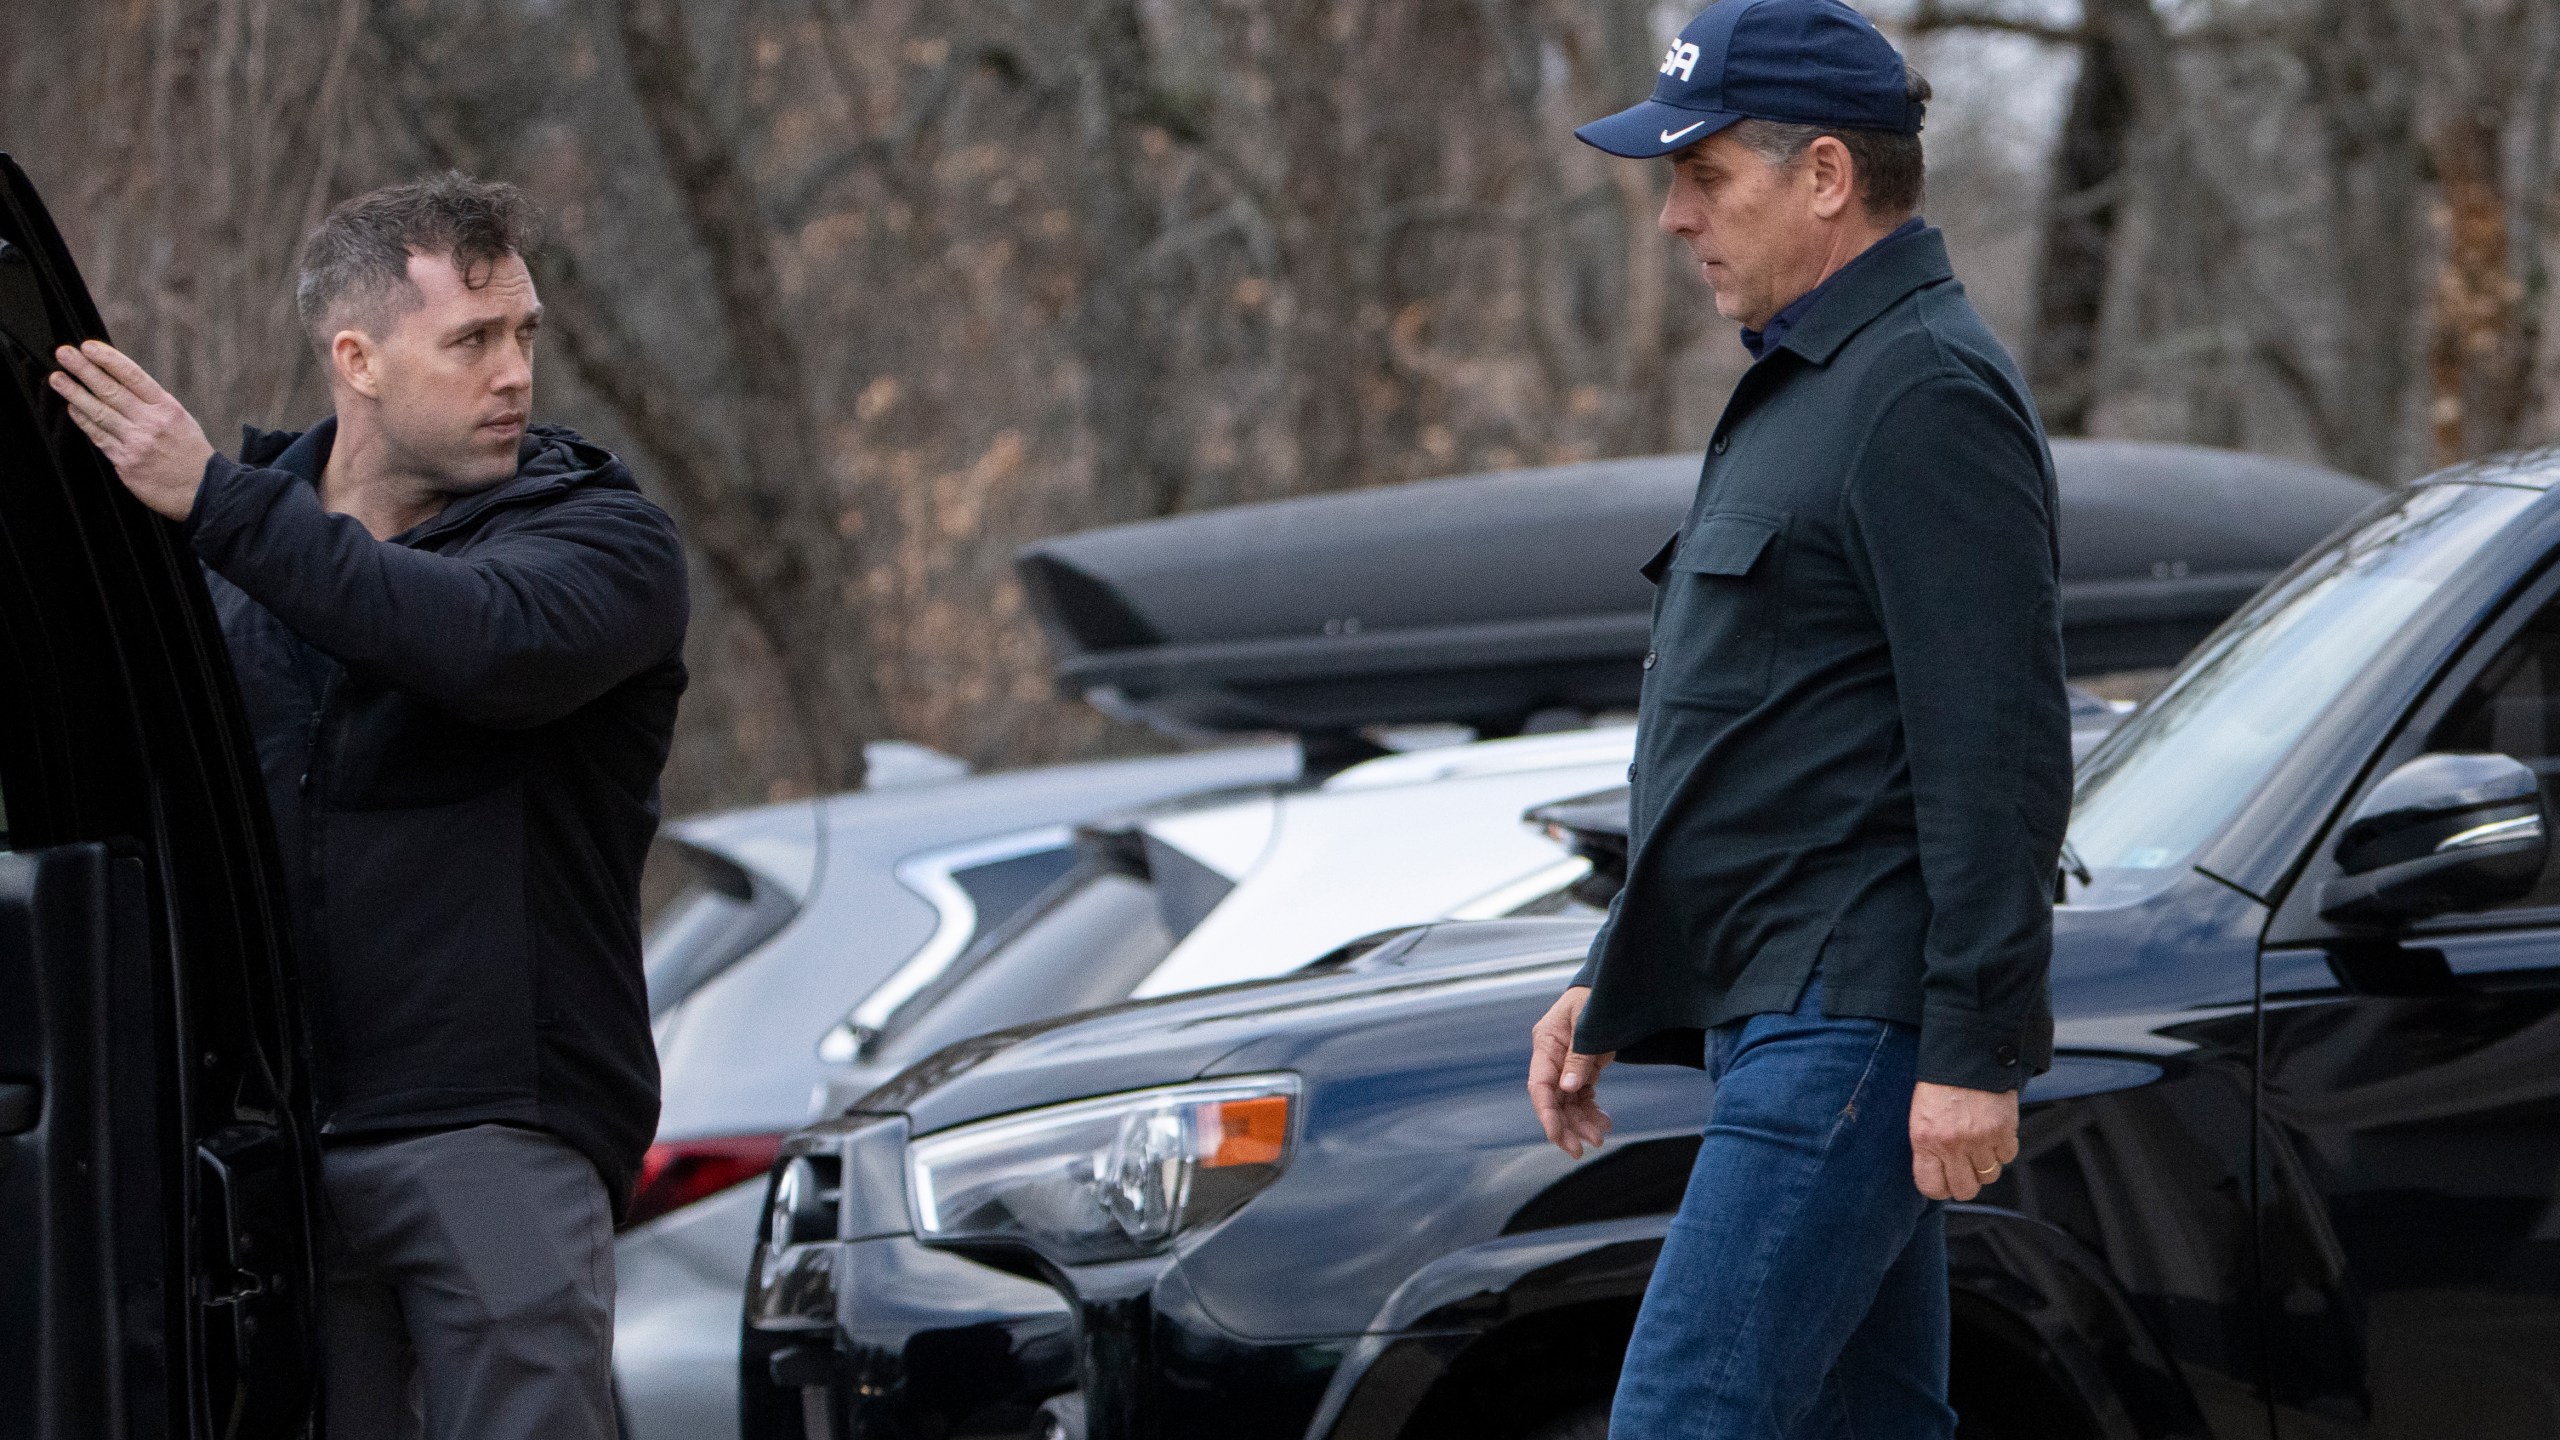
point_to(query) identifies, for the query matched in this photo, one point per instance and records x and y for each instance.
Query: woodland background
(872, 291)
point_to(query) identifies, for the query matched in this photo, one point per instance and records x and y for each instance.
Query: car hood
(2132, 980)
(1160, 1042)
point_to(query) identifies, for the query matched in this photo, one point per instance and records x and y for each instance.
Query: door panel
(2410, 1123)
(121, 734)
(2415, 1147)
(75, 958)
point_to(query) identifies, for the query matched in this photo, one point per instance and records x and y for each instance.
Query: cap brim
(1651, 128)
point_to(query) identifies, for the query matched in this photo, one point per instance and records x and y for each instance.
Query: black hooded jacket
(461, 731)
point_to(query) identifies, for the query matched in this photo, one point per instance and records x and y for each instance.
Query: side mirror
(2441, 833)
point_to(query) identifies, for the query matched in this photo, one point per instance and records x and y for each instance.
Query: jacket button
(1649, 658)
(2008, 1054)
(1631, 769)
(1718, 445)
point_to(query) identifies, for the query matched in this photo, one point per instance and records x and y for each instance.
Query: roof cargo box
(1486, 599)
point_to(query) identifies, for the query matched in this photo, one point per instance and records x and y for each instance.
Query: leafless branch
(1936, 17)
(719, 207)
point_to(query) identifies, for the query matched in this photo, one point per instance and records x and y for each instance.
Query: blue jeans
(1802, 1290)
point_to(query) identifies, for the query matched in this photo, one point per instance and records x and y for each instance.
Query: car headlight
(1105, 1179)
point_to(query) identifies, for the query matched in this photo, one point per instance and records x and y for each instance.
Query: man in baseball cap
(1853, 760)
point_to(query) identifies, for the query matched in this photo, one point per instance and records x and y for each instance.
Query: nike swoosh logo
(1670, 135)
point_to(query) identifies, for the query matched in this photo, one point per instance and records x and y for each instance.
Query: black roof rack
(1487, 599)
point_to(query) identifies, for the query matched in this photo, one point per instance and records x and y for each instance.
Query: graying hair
(1891, 171)
(356, 265)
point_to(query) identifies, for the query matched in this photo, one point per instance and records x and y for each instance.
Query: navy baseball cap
(1799, 62)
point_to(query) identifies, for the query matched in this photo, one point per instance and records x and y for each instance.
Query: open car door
(157, 1272)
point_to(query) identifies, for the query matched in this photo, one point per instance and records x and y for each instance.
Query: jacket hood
(547, 455)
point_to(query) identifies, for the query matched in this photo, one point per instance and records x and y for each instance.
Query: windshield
(2166, 782)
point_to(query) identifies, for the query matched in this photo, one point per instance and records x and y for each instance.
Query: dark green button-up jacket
(1853, 749)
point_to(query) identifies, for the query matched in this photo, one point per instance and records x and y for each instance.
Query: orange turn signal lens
(1243, 1132)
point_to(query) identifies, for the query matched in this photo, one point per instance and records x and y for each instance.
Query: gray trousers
(470, 1289)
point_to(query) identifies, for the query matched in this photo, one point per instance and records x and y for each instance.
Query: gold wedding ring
(1986, 1174)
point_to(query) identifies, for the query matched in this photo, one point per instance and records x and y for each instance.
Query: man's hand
(1563, 1085)
(158, 449)
(1961, 1138)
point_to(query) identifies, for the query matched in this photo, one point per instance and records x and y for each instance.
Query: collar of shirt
(1760, 342)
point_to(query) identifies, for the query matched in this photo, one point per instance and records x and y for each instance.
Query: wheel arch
(1509, 1381)
(2044, 1346)
(2027, 1299)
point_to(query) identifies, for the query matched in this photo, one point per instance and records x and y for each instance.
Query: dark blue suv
(2293, 1173)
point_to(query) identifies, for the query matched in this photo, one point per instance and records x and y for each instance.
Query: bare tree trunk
(1118, 326)
(2495, 60)
(1323, 352)
(1511, 33)
(1653, 327)
(769, 527)
(2147, 339)
(2363, 90)
(2477, 355)
(2081, 213)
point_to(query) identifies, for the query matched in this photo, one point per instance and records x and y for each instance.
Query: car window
(1125, 899)
(722, 914)
(2172, 775)
(1088, 944)
(999, 889)
(2513, 708)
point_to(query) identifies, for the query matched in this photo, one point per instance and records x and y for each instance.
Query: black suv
(2293, 1173)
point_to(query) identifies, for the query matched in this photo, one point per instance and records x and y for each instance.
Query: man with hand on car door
(458, 637)
(1853, 759)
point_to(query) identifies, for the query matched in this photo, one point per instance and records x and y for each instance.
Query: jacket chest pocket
(1716, 632)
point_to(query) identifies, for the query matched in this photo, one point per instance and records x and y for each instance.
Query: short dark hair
(359, 257)
(1892, 174)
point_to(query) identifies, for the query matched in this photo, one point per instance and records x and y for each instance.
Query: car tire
(1583, 1422)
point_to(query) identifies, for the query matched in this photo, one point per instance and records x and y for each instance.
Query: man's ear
(1833, 175)
(352, 359)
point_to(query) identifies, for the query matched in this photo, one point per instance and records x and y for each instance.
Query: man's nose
(1674, 219)
(514, 371)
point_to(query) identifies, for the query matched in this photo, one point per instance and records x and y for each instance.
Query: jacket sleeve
(533, 624)
(1589, 974)
(1951, 527)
